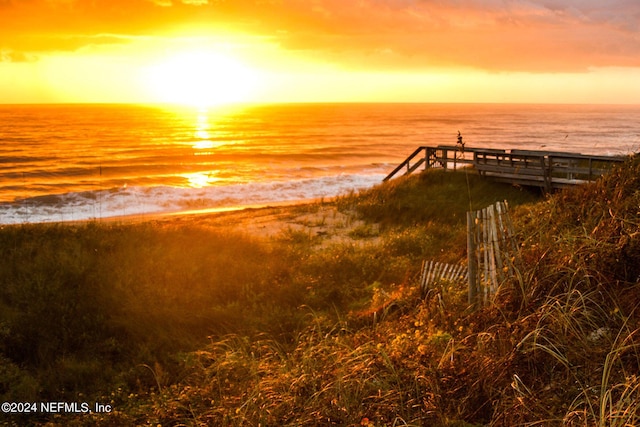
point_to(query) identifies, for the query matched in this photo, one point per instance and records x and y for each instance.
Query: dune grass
(180, 324)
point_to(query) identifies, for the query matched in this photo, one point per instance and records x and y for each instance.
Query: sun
(201, 78)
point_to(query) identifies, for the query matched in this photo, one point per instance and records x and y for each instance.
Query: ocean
(78, 162)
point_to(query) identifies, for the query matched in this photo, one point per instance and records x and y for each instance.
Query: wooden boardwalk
(546, 169)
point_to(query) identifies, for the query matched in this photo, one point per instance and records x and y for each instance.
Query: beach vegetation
(178, 323)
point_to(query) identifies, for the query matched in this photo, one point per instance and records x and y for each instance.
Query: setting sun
(205, 53)
(201, 78)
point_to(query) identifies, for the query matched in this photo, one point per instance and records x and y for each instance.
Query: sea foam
(139, 201)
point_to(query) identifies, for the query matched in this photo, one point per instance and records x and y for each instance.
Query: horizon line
(253, 104)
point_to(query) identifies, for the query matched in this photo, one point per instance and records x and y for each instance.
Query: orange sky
(568, 51)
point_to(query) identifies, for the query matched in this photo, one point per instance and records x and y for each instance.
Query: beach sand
(320, 221)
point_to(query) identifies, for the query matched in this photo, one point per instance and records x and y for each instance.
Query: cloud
(522, 35)
(14, 56)
(493, 35)
(31, 46)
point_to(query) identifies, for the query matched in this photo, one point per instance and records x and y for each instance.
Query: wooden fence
(492, 251)
(434, 272)
(492, 256)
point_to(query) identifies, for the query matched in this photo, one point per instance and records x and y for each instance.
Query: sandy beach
(320, 220)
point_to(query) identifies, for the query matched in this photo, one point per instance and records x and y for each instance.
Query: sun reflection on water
(200, 179)
(202, 135)
(203, 144)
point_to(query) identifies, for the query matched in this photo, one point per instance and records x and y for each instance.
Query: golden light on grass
(275, 323)
(201, 78)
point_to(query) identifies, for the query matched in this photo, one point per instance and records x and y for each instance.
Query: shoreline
(157, 216)
(317, 219)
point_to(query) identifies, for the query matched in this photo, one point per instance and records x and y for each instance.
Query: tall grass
(435, 196)
(581, 303)
(77, 300)
(193, 326)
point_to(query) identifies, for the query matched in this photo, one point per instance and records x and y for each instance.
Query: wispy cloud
(15, 56)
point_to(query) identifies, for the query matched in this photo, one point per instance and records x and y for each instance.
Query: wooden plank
(517, 170)
(566, 170)
(446, 273)
(471, 149)
(415, 166)
(491, 265)
(485, 254)
(567, 182)
(511, 167)
(545, 153)
(459, 274)
(504, 236)
(495, 242)
(472, 265)
(478, 238)
(404, 163)
(510, 229)
(568, 155)
(434, 272)
(427, 276)
(515, 178)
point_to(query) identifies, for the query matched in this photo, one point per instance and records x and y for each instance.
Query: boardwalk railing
(549, 170)
(430, 157)
(546, 169)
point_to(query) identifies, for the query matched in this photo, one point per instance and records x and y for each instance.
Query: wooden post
(504, 234)
(485, 256)
(427, 154)
(509, 225)
(478, 240)
(546, 173)
(471, 260)
(497, 247)
(493, 250)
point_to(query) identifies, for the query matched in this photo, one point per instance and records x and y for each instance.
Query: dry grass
(304, 331)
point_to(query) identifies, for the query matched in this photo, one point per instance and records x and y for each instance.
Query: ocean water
(75, 162)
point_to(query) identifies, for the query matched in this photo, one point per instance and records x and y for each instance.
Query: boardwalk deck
(547, 169)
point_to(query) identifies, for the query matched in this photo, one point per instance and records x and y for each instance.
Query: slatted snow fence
(491, 251)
